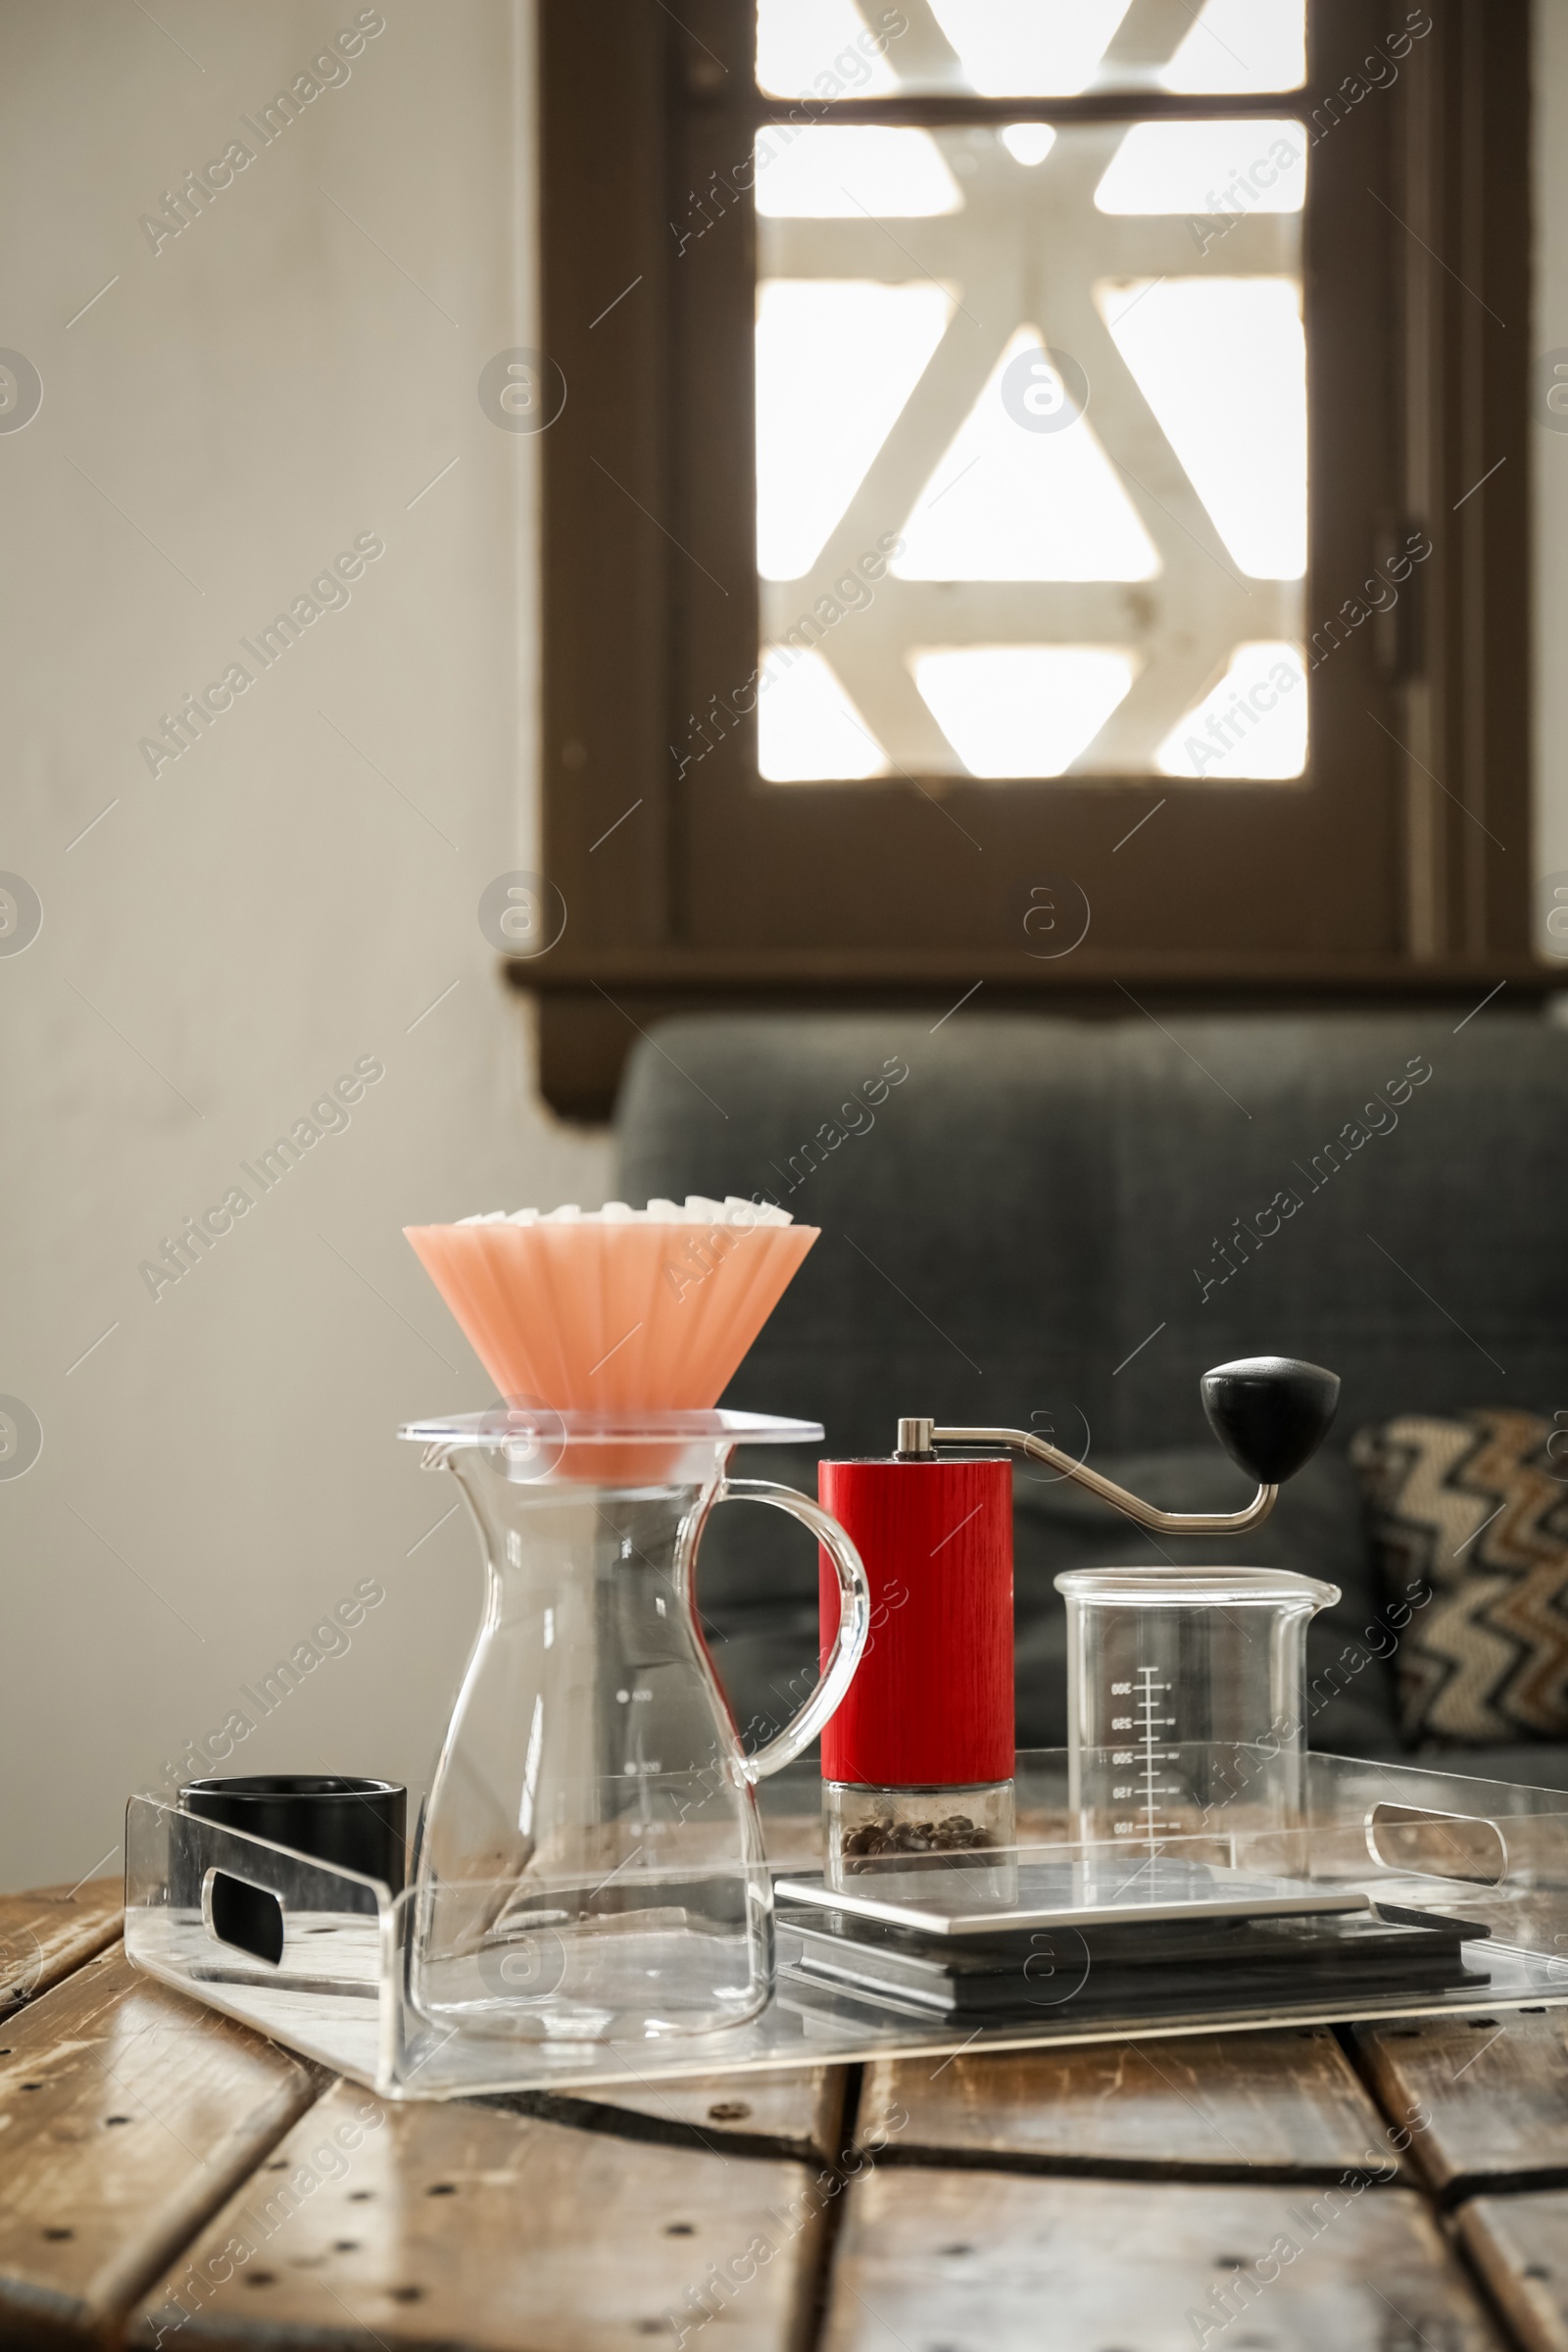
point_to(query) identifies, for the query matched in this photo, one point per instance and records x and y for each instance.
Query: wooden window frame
(673, 891)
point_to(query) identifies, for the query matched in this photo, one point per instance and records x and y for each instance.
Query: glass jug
(590, 1861)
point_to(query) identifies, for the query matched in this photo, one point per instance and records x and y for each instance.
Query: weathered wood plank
(1233, 2106)
(1520, 2247)
(967, 2260)
(1484, 2096)
(126, 2114)
(46, 1934)
(797, 2112)
(465, 2226)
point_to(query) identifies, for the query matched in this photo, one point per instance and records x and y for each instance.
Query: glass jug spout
(590, 1865)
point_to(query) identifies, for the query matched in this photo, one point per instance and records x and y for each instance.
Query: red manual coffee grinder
(917, 1760)
(918, 1763)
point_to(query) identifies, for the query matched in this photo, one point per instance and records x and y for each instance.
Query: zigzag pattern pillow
(1470, 1520)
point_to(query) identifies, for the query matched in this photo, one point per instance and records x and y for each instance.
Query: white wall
(235, 932)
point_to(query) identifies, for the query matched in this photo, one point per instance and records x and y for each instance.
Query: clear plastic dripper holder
(1185, 1700)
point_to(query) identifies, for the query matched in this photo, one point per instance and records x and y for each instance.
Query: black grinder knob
(1271, 1412)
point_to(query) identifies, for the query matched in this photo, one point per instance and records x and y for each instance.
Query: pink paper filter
(616, 1309)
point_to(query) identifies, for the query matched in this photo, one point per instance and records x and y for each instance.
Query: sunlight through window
(1243, 45)
(1021, 710)
(1029, 48)
(1222, 362)
(808, 728)
(1040, 387)
(836, 361)
(1008, 502)
(803, 42)
(859, 169)
(1029, 142)
(1025, 48)
(1207, 168)
(1253, 725)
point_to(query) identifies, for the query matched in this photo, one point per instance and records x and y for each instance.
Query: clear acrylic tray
(1386, 1841)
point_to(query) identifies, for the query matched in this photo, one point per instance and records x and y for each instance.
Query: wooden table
(166, 2176)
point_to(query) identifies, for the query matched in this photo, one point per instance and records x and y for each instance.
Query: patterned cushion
(1471, 1519)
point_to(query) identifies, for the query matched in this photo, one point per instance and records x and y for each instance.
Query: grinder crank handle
(1269, 1412)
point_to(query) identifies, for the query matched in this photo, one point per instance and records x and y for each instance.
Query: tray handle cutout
(236, 1912)
(1425, 1844)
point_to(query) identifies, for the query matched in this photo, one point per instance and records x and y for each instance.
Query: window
(1012, 483)
(1024, 481)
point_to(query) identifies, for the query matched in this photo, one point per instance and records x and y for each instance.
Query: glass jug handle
(855, 1619)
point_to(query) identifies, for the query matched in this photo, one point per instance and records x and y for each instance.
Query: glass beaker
(1187, 1699)
(589, 1862)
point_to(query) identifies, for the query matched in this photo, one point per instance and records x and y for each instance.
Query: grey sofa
(1059, 1224)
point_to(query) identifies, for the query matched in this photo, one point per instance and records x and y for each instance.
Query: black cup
(351, 1823)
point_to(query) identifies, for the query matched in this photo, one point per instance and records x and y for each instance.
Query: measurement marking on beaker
(1151, 1755)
